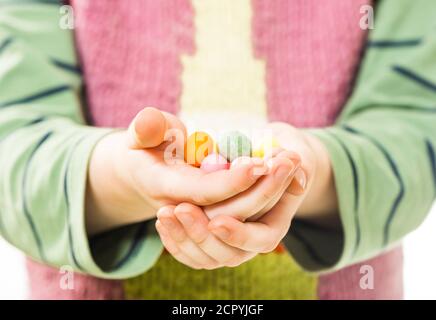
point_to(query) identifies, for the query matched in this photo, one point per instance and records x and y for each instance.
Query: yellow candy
(198, 146)
(265, 148)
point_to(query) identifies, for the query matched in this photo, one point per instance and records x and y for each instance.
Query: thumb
(148, 128)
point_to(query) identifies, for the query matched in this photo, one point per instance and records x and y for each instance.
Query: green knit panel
(268, 276)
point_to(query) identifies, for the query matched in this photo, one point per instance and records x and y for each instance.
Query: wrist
(320, 204)
(111, 198)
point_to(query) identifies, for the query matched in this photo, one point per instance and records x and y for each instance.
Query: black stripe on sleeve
(68, 214)
(36, 121)
(390, 44)
(37, 96)
(25, 205)
(17, 2)
(356, 192)
(3, 231)
(67, 66)
(140, 233)
(31, 123)
(397, 175)
(402, 107)
(5, 43)
(411, 75)
(432, 156)
(48, 1)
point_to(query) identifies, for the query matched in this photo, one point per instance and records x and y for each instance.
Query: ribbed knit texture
(256, 279)
(131, 55)
(311, 52)
(350, 282)
(45, 284)
(131, 52)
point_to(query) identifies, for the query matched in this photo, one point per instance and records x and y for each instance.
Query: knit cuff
(121, 253)
(318, 249)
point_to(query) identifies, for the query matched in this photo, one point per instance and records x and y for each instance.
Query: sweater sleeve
(383, 145)
(45, 147)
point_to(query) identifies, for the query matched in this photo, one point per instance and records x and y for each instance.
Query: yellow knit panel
(270, 276)
(222, 79)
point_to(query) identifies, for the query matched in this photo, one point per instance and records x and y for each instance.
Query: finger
(172, 247)
(262, 236)
(149, 127)
(166, 217)
(300, 144)
(196, 223)
(176, 232)
(185, 183)
(176, 132)
(291, 155)
(296, 189)
(298, 184)
(253, 200)
(274, 201)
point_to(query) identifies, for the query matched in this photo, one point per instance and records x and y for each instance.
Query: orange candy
(198, 146)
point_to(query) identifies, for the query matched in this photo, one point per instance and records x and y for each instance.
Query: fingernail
(300, 176)
(257, 171)
(185, 218)
(162, 211)
(221, 232)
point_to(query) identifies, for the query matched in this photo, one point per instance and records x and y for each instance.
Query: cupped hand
(135, 172)
(254, 221)
(194, 240)
(162, 176)
(184, 232)
(293, 167)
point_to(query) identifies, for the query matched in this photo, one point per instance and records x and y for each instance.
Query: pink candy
(214, 162)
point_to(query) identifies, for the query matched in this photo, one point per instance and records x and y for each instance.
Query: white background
(420, 265)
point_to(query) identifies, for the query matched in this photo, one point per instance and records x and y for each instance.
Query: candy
(234, 144)
(265, 148)
(198, 146)
(214, 162)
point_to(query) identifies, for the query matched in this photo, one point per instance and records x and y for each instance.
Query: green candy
(234, 144)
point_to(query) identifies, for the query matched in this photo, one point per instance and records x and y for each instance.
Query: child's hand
(262, 196)
(296, 160)
(184, 233)
(308, 191)
(225, 240)
(312, 195)
(193, 240)
(129, 179)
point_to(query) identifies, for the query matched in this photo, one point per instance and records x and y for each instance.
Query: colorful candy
(265, 148)
(201, 151)
(234, 144)
(198, 146)
(214, 162)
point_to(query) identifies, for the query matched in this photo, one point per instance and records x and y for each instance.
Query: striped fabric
(258, 60)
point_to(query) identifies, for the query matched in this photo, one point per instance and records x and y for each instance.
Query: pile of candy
(202, 151)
